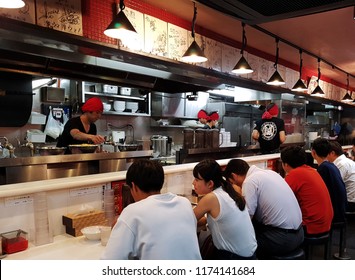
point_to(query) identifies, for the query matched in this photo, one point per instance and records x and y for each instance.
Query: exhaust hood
(36, 50)
(40, 51)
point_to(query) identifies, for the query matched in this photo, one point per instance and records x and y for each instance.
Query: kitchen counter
(28, 169)
(64, 247)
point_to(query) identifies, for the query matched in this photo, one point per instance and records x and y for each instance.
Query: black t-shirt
(269, 130)
(66, 139)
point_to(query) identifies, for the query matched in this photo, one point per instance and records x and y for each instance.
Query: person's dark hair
(353, 141)
(321, 146)
(237, 166)
(147, 174)
(209, 169)
(336, 148)
(294, 156)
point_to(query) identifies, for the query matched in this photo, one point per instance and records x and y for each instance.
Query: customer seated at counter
(346, 167)
(310, 190)
(227, 216)
(331, 177)
(82, 129)
(156, 226)
(272, 206)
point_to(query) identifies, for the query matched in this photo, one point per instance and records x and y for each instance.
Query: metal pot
(160, 145)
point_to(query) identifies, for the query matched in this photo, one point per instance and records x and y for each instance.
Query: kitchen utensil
(82, 148)
(46, 151)
(127, 147)
(160, 144)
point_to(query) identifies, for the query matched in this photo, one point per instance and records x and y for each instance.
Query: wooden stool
(297, 254)
(342, 254)
(311, 241)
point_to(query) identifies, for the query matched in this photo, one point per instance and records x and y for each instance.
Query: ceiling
(324, 29)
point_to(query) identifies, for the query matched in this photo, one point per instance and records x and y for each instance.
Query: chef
(270, 130)
(82, 129)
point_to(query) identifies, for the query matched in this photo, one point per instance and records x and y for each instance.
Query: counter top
(36, 160)
(10, 190)
(64, 247)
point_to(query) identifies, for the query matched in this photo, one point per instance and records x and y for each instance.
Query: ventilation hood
(35, 50)
(40, 51)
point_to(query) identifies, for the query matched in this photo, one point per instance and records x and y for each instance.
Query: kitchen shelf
(90, 89)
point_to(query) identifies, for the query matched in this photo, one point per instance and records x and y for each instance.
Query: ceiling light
(299, 85)
(347, 96)
(276, 79)
(120, 27)
(318, 91)
(242, 67)
(14, 4)
(194, 53)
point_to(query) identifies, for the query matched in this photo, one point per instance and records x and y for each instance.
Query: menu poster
(137, 20)
(230, 57)
(156, 36)
(214, 54)
(177, 41)
(258, 66)
(62, 15)
(25, 14)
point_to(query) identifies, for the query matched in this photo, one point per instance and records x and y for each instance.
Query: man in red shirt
(310, 190)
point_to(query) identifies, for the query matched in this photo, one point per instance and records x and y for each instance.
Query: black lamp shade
(276, 79)
(194, 54)
(299, 86)
(119, 27)
(347, 98)
(317, 91)
(242, 67)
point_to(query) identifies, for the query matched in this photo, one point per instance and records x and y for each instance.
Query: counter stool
(297, 254)
(342, 254)
(311, 241)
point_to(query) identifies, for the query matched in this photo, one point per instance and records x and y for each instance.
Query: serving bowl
(127, 147)
(82, 148)
(92, 232)
(46, 151)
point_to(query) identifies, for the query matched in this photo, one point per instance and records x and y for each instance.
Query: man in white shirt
(156, 226)
(272, 205)
(347, 171)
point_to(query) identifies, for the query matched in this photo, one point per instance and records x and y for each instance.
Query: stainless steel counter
(27, 169)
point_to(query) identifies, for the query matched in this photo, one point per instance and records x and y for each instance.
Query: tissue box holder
(74, 222)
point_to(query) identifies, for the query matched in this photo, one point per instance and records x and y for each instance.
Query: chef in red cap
(82, 129)
(270, 130)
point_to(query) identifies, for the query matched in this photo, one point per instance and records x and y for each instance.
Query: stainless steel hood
(36, 50)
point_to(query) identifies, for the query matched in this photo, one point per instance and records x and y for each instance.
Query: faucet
(8, 145)
(28, 144)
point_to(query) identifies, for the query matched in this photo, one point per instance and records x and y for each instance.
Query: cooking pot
(161, 145)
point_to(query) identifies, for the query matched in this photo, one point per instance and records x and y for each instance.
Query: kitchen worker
(82, 129)
(203, 117)
(270, 130)
(212, 121)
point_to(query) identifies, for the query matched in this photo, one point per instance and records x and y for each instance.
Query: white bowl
(92, 232)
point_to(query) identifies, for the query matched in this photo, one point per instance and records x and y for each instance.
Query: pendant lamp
(242, 66)
(12, 4)
(276, 79)
(120, 27)
(194, 53)
(299, 85)
(318, 91)
(347, 96)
